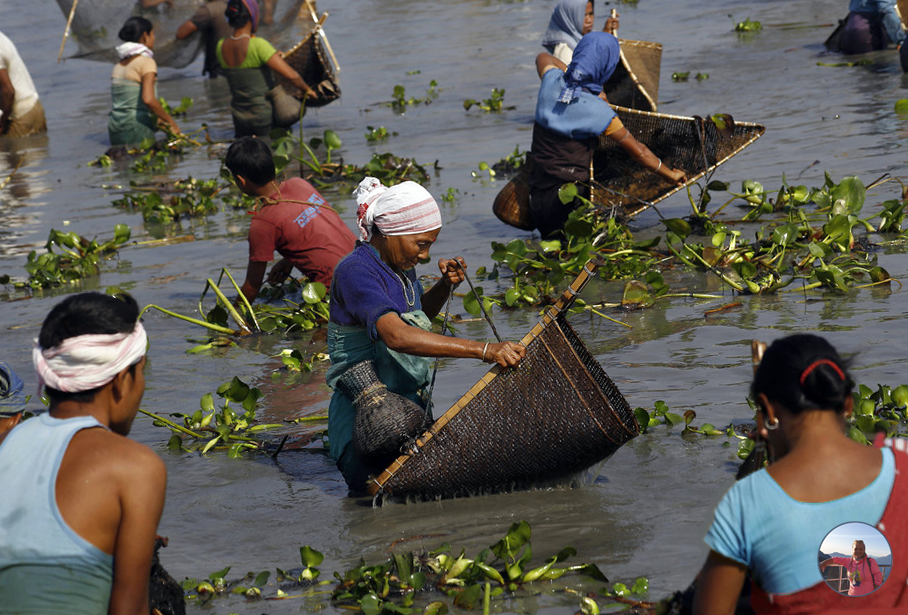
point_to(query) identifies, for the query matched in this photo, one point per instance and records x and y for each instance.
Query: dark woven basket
(385, 421)
(693, 144)
(309, 59)
(555, 415)
(635, 82)
(511, 205)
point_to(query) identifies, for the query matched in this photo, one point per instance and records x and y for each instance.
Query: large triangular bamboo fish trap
(635, 82)
(554, 415)
(692, 144)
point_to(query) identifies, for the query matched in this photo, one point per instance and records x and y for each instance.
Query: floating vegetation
(748, 26)
(492, 104)
(188, 197)
(378, 134)
(212, 428)
(150, 155)
(180, 110)
(400, 101)
(818, 239)
(307, 314)
(432, 582)
(387, 167)
(77, 258)
(685, 76)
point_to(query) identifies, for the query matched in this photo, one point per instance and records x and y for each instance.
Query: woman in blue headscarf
(571, 112)
(570, 20)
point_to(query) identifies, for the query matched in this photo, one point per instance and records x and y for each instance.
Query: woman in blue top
(871, 25)
(772, 523)
(571, 112)
(379, 311)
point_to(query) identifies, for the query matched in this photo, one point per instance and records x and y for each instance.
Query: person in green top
(247, 61)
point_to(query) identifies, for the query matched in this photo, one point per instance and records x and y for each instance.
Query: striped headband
(87, 362)
(404, 209)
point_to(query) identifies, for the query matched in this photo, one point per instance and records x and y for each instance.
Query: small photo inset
(855, 559)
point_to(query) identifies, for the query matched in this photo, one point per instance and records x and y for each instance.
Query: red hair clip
(816, 364)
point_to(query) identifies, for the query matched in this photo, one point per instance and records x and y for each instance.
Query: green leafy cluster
(748, 26)
(378, 134)
(211, 427)
(400, 101)
(190, 198)
(493, 104)
(69, 257)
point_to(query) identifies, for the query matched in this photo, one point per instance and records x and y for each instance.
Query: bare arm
(277, 63)
(643, 156)
(826, 563)
(150, 100)
(187, 28)
(545, 61)
(255, 273)
(7, 97)
(142, 489)
(408, 339)
(718, 585)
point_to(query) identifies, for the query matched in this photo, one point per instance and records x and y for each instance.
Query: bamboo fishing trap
(314, 60)
(693, 144)
(554, 415)
(635, 82)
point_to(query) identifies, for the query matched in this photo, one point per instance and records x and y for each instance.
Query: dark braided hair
(237, 14)
(803, 372)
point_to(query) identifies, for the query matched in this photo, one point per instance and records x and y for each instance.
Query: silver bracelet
(659, 167)
(484, 348)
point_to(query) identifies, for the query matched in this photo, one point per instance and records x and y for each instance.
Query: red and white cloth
(87, 362)
(404, 209)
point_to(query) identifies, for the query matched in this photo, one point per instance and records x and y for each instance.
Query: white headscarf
(87, 362)
(404, 209)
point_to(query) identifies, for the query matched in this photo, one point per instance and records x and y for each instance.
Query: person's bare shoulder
(119, 457)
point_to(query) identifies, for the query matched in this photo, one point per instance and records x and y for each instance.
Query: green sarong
(130, 120)
(404, 374)
(251, 109)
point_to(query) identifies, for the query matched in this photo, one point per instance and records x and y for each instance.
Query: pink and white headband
(404, 209)
(87, 362)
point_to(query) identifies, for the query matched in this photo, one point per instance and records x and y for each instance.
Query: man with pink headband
(79, 535)
(380, 313)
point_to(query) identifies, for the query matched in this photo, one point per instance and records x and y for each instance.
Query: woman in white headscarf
(380, 313)
(570, 20)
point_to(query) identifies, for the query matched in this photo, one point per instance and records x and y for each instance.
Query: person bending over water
(247, 62)
(79, 534)
(571, 112)
(871, 25)
(136, 110)
(771, 523)
(379, 311)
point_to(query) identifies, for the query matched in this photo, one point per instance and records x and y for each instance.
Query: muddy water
(648, 511)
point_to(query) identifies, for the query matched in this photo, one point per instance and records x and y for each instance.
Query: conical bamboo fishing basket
(554, 415)
(310, 58)
(635, 82)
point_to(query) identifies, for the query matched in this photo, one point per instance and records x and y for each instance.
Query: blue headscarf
(12, 397)
(566, 24)
(595, 59)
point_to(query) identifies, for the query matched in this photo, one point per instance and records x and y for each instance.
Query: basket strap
(570, 294)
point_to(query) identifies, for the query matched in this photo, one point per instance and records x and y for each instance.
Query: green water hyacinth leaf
(567, 193)
(848, 196)
(332, 140)
(469, 597)
(678, 226)
(207, 402)
(310, 557)
(636, 295)
(314, 292)
(262, 578)
(785, 235)
(470, 303)
(436, 608)
(588, 606)
(901, 106)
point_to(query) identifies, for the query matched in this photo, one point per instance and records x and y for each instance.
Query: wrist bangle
(484, 348)
(656, 171)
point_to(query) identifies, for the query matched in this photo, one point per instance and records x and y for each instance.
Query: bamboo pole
(318, 26)
(69, 22)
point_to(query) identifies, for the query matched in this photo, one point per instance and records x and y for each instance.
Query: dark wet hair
(803, 372)
(237, 14)
(86, 314)
(134, 28)
(251, 158)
